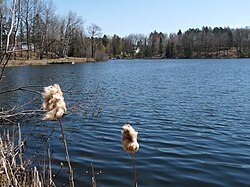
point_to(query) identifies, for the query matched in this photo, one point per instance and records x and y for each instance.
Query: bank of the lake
(70, 60)
(73, 60)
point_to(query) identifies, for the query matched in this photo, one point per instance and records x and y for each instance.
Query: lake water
(193, 119)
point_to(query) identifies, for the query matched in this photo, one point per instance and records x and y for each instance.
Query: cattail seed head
(129, 138)
(53, 102)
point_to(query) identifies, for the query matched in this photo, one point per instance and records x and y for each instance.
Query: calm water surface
(193, 119)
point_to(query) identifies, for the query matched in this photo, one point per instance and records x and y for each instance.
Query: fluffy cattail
(53, 102)
(129, 138)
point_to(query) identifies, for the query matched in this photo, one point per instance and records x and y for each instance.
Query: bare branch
(23, 88)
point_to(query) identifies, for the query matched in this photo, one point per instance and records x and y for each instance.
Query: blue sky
(123, 17)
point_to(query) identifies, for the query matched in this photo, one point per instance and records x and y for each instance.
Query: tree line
(38, 32)
(207, 42)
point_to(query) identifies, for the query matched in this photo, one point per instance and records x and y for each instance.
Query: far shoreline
(31, 62)
(73, 60)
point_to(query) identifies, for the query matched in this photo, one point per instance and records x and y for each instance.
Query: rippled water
(193, 119)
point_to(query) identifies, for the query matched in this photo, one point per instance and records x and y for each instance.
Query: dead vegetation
(14, 169)
(17, 170)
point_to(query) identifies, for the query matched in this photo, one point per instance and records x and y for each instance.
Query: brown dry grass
(13, 168)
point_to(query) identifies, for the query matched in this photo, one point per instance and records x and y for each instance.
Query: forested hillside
(38, 32)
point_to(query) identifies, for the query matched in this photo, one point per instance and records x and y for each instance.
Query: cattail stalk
(55, 106)
(67, 156)
(130, 144)
(133, 162)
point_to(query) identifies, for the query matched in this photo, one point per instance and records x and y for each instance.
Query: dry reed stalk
(12, 148)
(4, 164)
(50, 171)
(6, 161)
(13, 173)
(93, 175)
(6, 169)
(20, 143)
(44, 164)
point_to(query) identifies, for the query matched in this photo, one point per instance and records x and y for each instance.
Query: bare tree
(94, 31)
(48, 26)
(27, 5)
(51, 27)
(72, 23)
(9, 49)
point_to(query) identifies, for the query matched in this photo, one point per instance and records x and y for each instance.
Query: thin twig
(22, 88)
(12, 114)
(61, 166)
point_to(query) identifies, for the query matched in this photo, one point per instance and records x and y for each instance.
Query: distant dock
(61, 62)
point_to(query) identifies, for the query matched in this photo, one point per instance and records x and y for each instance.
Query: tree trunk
(1, 30)
(27, 29)
(92, 47)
